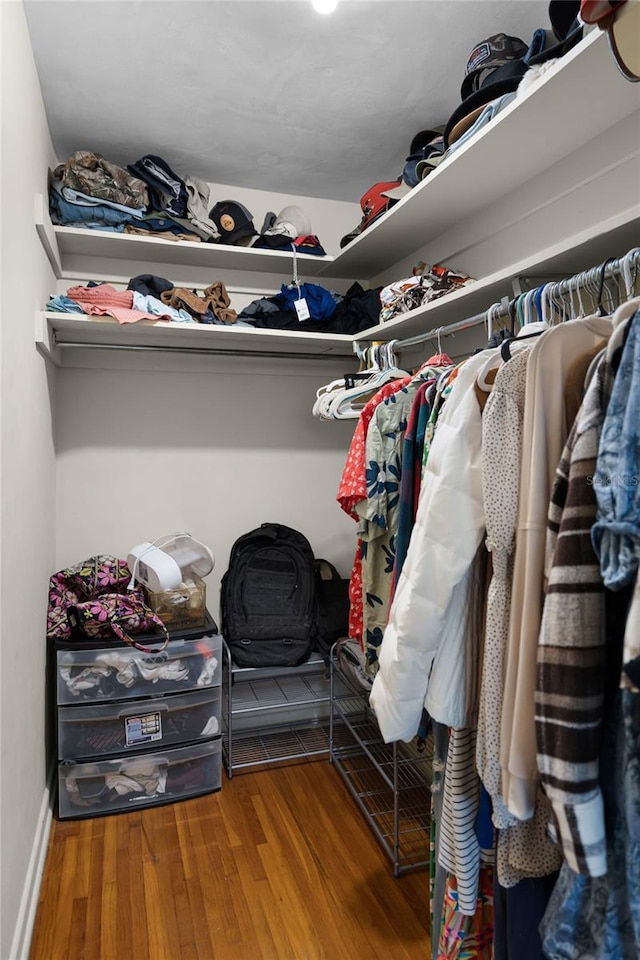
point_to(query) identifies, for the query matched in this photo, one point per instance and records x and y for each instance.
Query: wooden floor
(279, 865)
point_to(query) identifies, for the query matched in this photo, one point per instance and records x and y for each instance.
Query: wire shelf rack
(275, 715)
(390, 782)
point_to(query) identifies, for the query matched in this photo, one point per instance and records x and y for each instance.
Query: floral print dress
(379, 513)
(352, 490)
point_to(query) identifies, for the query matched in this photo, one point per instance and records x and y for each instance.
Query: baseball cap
(497, 51)
(495, 81)
(567, 29)
(233, 220)
(291, 222)
(423, 139)
(426, 151)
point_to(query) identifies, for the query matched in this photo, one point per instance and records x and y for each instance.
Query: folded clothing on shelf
(428, 283)
(91, 174)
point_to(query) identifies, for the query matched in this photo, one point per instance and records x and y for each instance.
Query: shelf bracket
(525, 282)
(46, 340)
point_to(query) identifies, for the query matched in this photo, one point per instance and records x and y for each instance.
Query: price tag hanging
(302, 308)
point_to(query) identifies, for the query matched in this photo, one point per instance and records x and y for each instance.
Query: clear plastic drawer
(147, 779)
(90, 731)
(94, 673)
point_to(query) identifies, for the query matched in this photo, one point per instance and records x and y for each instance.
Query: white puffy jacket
(421, 658)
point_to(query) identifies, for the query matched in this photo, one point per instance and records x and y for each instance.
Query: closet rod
(500, 311)
(205, 351)
(432, 334)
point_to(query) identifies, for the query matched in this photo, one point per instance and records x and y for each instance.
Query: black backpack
(333, 607)
(268, 599)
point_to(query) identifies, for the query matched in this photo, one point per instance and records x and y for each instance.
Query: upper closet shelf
(615, 237)
(62, 243)
(579, 97)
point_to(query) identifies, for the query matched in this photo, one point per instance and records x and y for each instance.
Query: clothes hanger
(442, 358)
(629, 271)
(600, 311)
(489, 322)
(593, 288)
(435, 364)
(555, 311)
(369, 366)
(494, 313)
(320, 405)
(343, 405)
(581, 310)
(532, 327)
(563, 303)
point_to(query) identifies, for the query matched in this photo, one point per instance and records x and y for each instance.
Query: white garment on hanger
(429, 608)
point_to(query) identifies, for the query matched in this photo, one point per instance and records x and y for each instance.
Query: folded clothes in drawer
(115, 672)
(84, 731)
(148, 779)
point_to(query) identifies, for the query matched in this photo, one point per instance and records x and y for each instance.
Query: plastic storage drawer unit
(94, 672)
(88, 731)
(95, 788)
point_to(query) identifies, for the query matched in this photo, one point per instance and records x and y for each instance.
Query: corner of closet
(47, 235)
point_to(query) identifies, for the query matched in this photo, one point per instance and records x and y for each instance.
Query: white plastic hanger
(341, 406)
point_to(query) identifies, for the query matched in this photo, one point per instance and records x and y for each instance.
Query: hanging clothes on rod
(478, 649)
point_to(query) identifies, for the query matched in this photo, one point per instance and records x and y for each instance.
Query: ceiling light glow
(324, 6)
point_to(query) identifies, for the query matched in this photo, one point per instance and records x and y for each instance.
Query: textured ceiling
(261, 93)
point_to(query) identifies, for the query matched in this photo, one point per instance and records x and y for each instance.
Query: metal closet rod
(203, 351)
(500, 311)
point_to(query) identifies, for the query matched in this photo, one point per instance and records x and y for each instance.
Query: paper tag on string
(302, 309)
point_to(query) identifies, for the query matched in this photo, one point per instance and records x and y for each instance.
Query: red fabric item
(374, 202)
(593, 11)
(105, 300)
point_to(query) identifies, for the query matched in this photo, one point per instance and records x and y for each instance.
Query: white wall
(212, 447)
(27, 474)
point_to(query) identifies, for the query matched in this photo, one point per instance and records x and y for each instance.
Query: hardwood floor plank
(131, 846)
(109, 941)
(77, 934)
(92, 852)
(267, 924)
(66, 894)
(278, 865)
(214, 867)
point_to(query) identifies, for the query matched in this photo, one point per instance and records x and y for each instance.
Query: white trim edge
(31, 890)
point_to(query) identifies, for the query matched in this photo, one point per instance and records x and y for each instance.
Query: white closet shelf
(54, 331)
(64, 242)
(581, 251)
(579, 97)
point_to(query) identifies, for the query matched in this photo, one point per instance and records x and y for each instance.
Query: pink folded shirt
(105, 300)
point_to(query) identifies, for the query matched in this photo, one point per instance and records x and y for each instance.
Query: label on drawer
(143, 729)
